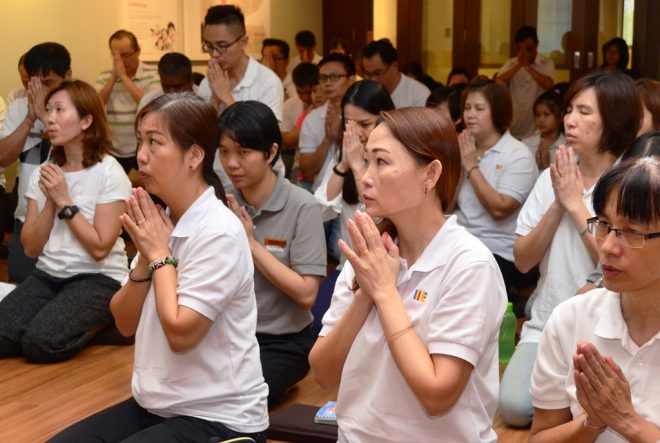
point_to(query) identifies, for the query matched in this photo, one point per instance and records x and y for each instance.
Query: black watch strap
(340, 173)
(68, 212)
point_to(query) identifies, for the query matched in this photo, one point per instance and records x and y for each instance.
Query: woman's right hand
(468, 150)
(352, 150)
(566, 179)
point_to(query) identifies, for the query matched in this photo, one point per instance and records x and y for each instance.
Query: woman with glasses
(603, 113)
(595, 377)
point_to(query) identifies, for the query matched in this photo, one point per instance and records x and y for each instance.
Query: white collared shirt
(594, 317)
(409, 93)
(220, 379)
(312, 134)
(455, 298)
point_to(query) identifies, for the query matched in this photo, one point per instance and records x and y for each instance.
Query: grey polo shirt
(289, 226)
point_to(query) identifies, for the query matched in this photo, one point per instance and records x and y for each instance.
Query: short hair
(438, 96)
(499, 99)
(305, 74)
(622, 47)
(122, 33)
(46, 57)
(382, 47)
(649, 92)
(305, 39)
(97, 140)
(371, 96)
(345, 60)
(635, 184)
(450, 94)
(458, 70)
(339, 43)
(645, 145)
(175, 64)
(284, 46)
(252, 125)
(427, 136)
(525, 32)
(227, 15)
(619, 106)
(197, 128)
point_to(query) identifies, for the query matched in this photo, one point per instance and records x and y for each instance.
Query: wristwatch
(68, 212)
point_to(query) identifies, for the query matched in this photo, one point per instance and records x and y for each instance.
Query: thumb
(391, 247)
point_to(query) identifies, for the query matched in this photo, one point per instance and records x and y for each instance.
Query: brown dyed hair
(190, 121)
(649, 92)
(499, 99)
(96, 138)
(619, 106)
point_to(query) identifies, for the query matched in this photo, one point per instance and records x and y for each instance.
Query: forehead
(352, 112)
(331, 67)
(52, 77)
(374, 62)
(585, 97)
(271, 49)
(227, 141)
(121, 44)
(528, 43)
(381, 139)
(476, 97)
(154, 121)
(60, 96)
(220, 33)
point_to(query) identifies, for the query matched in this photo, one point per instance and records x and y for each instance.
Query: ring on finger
(562, 173)
(362, 251)
(139, 222)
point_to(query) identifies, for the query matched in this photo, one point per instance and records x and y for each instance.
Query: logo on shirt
(419, 295)
(499, 167)
(274, 244)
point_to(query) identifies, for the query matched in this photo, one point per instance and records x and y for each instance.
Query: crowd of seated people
(439, 203)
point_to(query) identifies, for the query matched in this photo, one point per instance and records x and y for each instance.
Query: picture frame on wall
(156, 24)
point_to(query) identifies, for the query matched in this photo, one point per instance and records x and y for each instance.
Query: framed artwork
(156, 24)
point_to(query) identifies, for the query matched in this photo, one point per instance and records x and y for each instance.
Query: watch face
(68, 213)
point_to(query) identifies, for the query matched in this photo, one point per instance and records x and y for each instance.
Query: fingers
(391, 247)
(233, 204)
(348, 252)
(368, 229)
(357, 240)
(147, 206)
(165, 218)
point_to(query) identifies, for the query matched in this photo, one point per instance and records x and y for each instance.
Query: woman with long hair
(412, 332)
(72, 227)
(189, 296)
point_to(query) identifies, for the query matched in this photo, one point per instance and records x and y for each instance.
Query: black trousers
(284, 361)
(128, 422)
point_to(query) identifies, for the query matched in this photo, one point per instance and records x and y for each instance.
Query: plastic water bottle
(507, 335)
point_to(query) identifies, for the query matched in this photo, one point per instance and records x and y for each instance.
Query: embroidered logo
(274, 244)
(499, 167)
(419, 295)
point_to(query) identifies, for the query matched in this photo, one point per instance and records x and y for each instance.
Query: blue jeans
(515, 404)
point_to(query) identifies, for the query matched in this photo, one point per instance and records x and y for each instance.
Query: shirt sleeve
(536, 205)
(204, 90)
(342, 297)
(520, 174)
(15, 116)
(117, 186)
(330, 209)
(33, 191)
(273, 95)
(310, 135)
(308, 251)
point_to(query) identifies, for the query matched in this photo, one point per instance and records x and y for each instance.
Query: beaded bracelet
(583, 231)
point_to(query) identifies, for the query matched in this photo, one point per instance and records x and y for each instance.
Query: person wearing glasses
(121, 89)
(595, 373)
(380, 63)
(232, 74)
(602, 116)
(320, 134)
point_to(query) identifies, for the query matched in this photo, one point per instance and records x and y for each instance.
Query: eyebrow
(152, 131)
(584, 107)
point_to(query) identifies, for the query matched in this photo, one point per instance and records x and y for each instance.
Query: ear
(245, 41)
(195, 156)
(273, 152)
(86, 122)
(432, 174)
(68, 75)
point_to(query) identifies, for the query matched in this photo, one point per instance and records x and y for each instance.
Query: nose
(141, 154)
(569, 118)
(610, 245)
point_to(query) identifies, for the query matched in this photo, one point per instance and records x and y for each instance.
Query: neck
(641, 312)
(487, 141)
(73, 155)
(186, 196)
(593, 165)
(257, 195)
(237, 72)
(415, 232)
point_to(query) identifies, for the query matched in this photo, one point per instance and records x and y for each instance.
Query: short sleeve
(330, 209)
(33, 191)
(15, 116)
(519, 175)
(273, 94)
(553, 366)
(308, 251)
(311, 136)
(536, 205)
(467, 317)
(204, 90)
(116, 186)
(342, 297)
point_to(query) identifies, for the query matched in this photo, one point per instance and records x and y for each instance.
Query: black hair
(46, 57)
(122, 33)
(622, 46)
(382, 47)
(176, 65)
(284, 46)
(635, 184)
(644, 146)
(458, 70)
(305, 74)
(227, 15)
(340, 43)
(453, 95)
(252, 125)
(371, 96)
(198, 77)
(345, 60)
(305, 39)
(553, 99)
(21, 60)
(438, 96)
(526, 32)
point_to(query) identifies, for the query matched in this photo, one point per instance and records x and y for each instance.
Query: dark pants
(284, 361)
(129, 422)
(515, 281)
(50, 319)
(19, 265)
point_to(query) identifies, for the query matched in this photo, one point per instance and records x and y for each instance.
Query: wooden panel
(523, 13)
(646, 39)
(465, 44)
(409, 31)
(351, 20)
(583, 36)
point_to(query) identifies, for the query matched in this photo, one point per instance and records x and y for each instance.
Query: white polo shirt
(63, 255)
(524, 91)
(295, 61)
(510, 168)
(258, 83)
(289, 87)
(409, 93)
(35, 150)
(458, 313)
(594, 317)
(566, 263)
(220, 379)
(312, 133)
(293, 107)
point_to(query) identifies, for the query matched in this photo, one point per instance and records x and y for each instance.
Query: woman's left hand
(375, 259)
(53, 184)
(566, 179)
(602, 389)
(353, 149)
(468, 150)
(148, 225)
(242, 215)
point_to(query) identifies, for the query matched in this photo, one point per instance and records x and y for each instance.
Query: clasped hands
(566, 179)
